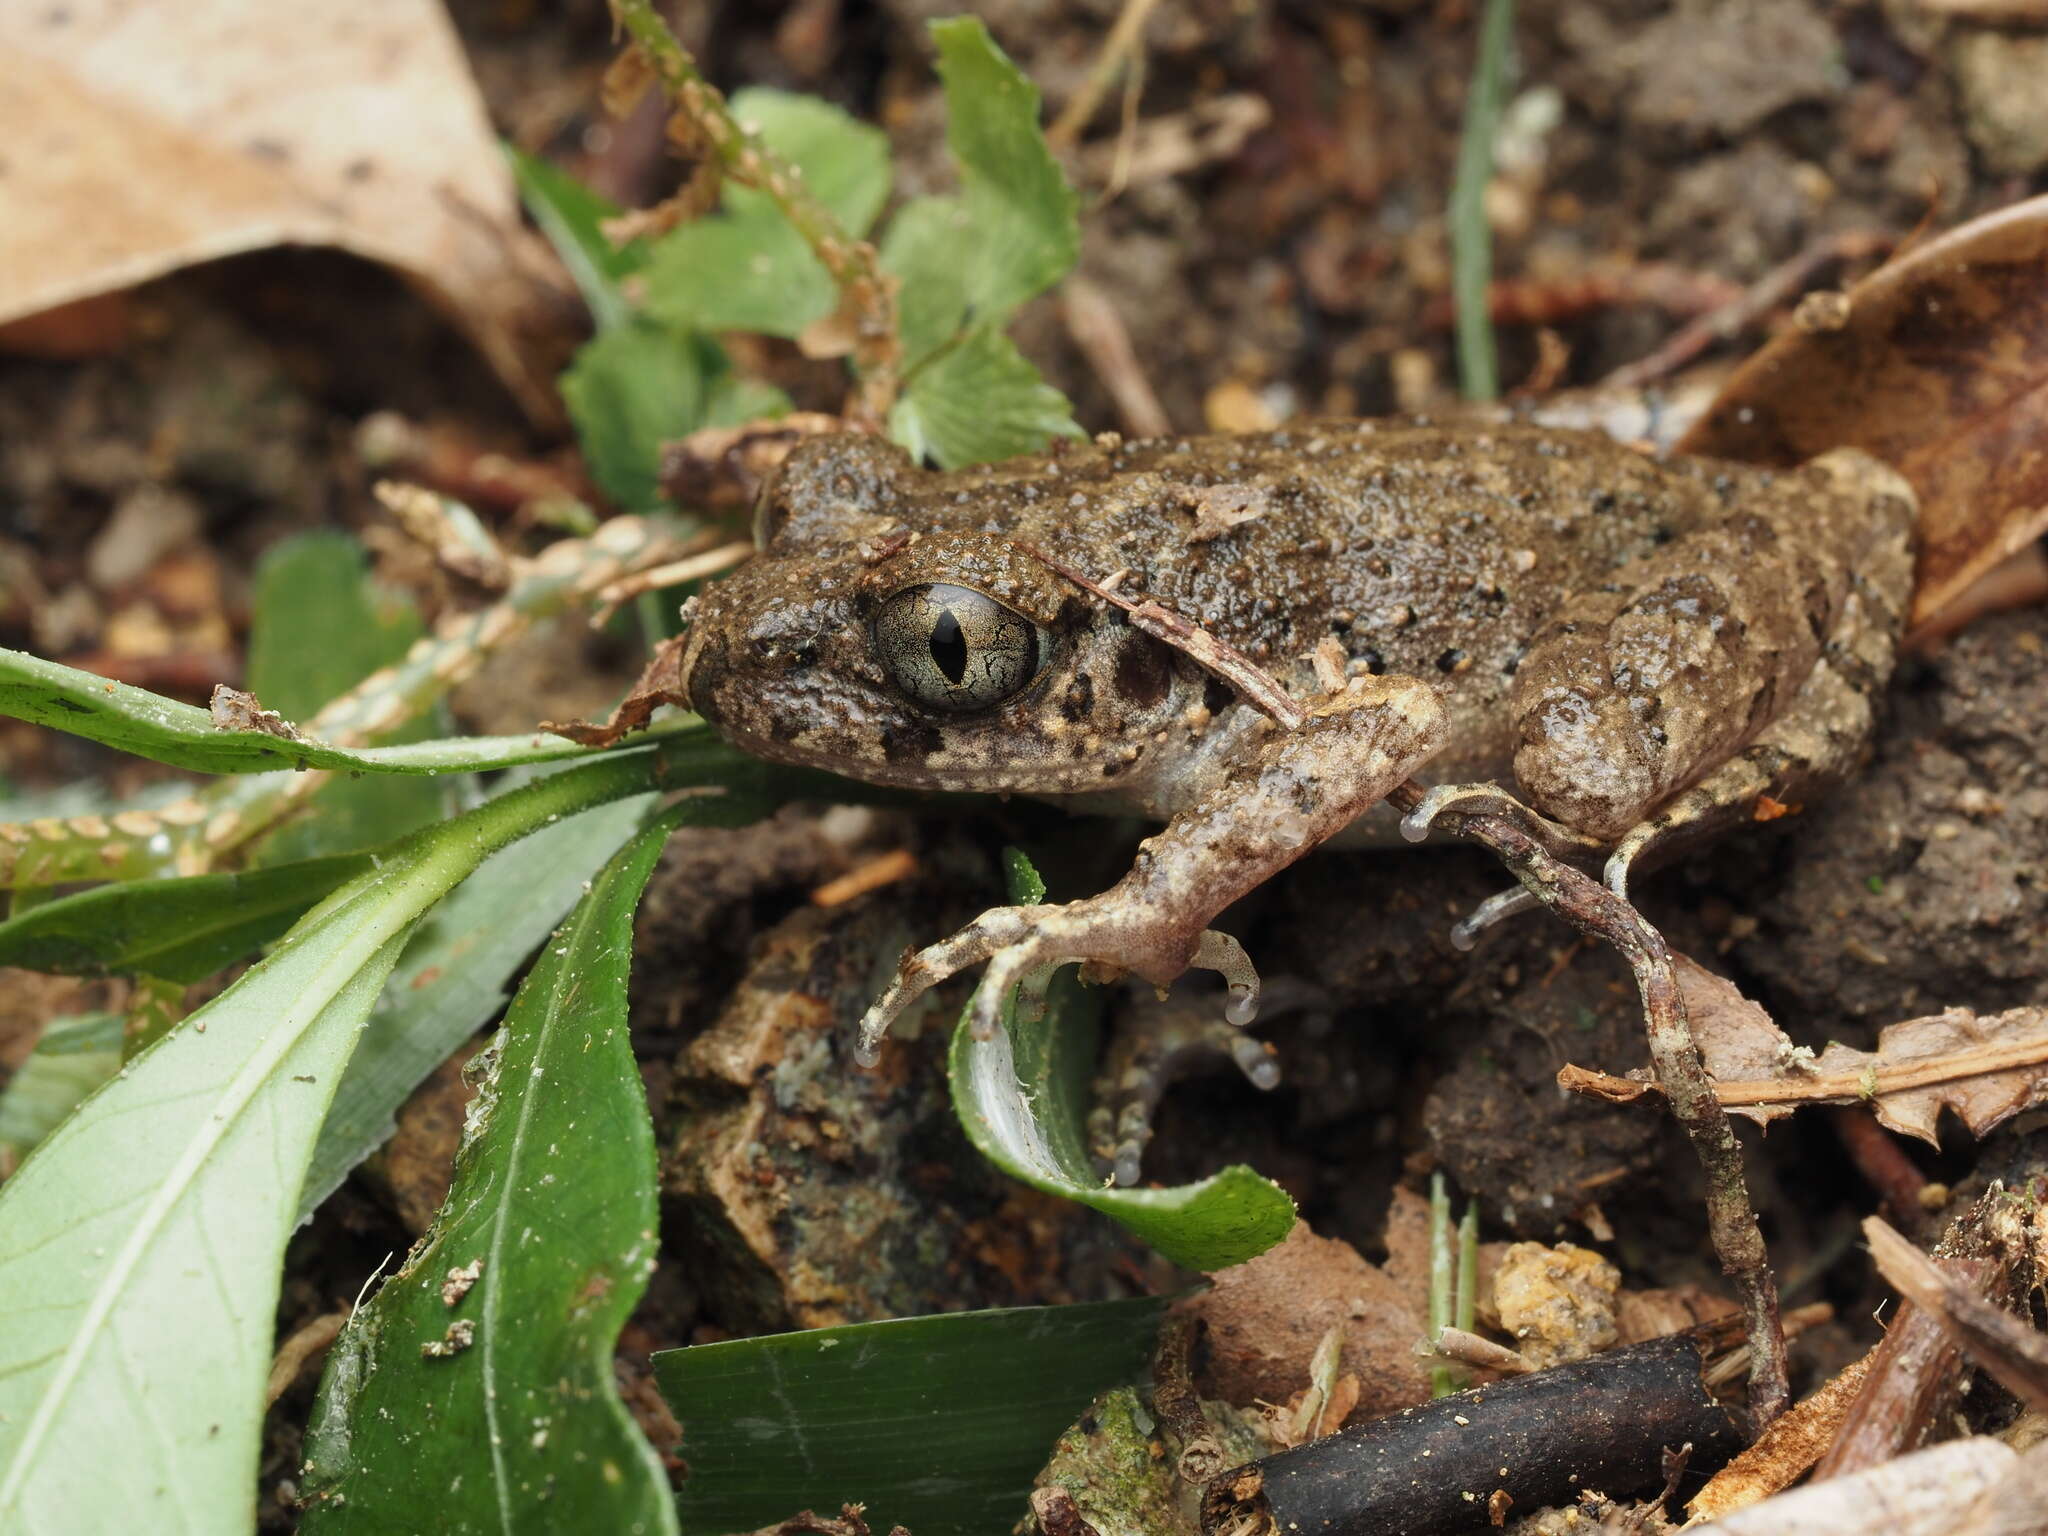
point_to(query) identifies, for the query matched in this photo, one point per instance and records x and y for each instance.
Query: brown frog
(1641, 648)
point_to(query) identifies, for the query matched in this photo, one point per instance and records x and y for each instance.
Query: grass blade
(1471, 235)
(935, 1423)
(148, 725)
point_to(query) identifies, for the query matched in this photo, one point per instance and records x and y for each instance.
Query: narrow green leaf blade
(453, 977)
(180, 929)
(1023, 1098)
(978, 402)
(1026, 231)
(74, 1057)
(554, 1197)
(572, 217)
(139, 1276)
(935, 1423)
(149, 725)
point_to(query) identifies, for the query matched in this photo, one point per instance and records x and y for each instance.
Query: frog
(1254, 639)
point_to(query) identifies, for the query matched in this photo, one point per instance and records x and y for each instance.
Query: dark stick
(1731, 1222)
(1602, 1423)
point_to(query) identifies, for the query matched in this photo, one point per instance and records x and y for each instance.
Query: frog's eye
(955, 648)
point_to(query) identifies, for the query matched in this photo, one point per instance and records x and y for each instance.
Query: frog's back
(1422, 549)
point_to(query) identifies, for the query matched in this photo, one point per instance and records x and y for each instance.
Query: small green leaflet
(978, 402)
(748, 269)
(572, 217)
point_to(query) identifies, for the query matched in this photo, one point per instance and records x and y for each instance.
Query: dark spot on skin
(1142, 675)
(912, 743)
(1216, 695)
(1513, 664)
(1451, 660)
(1375, 663)
(1079, 698)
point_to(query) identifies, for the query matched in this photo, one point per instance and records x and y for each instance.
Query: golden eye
(954, 648)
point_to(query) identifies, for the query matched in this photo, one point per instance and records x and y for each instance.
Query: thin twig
(1766, 294)
(868, 291)
(1731, 1222)
(1839, 1087)
(1123, 37)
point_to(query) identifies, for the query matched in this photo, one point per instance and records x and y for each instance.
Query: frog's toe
(1554, 838)
(1157, 1042)
(994, 932)
(1496, 908)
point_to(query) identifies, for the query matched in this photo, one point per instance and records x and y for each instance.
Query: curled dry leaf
(145, 138)
(1940, 368)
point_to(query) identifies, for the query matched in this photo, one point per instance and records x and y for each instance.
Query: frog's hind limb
(1806, 750)
(1303, 785)
(1636, 707)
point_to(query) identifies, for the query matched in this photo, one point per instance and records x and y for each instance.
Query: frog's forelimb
(1299, 788)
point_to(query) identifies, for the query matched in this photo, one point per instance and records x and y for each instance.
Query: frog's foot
(1156, 1043)
(1023, 945)
(1491, 800)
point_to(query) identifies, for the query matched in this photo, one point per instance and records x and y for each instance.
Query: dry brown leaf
(1940, 369)
(1985, 1069)
(1737, 1039)
(142, 138)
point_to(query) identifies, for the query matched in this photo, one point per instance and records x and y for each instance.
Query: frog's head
(889, 632)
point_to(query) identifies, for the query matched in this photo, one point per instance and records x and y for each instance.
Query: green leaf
(139, 1280)
(748, 269)
(319, 626)
(978, 402)
(149, 725)
(631, 389)
(844, 161)
(929, 246)
(181, 929)
(1012, 232)
(572, 217)
(935, 1423)
(735, 400)
(554, 1199)
(1026, 228)
(1024, 1098)
(453, 978)
(74, 1057)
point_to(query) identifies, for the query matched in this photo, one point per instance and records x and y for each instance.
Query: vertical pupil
(949, 646)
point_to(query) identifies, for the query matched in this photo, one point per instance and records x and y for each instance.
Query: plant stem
(1442, 1280)
(868, 291)
(1471, 239)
